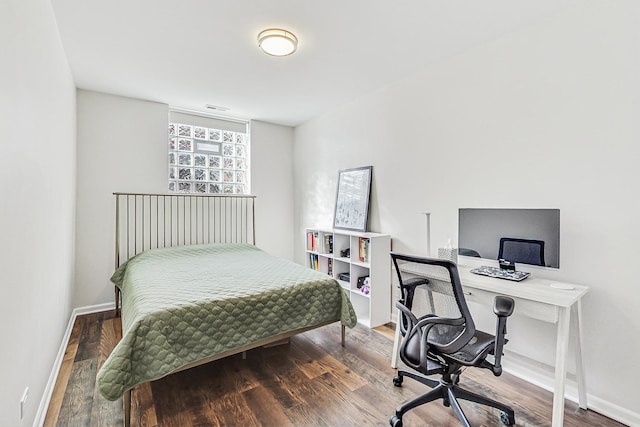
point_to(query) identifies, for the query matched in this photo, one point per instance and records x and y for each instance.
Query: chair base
(447, 390)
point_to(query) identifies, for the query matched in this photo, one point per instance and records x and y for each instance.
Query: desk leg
(396, 344)
(562, 348)
(576, 312)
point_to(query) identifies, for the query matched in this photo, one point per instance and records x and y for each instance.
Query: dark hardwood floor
(312, 381)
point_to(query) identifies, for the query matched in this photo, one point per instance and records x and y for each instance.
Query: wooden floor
(312, 381)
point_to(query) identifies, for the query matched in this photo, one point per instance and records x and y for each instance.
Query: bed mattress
(184, 304)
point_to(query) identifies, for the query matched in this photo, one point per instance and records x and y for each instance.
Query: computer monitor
(528, 236)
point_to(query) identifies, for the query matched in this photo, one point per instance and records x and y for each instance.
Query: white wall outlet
(23, 400)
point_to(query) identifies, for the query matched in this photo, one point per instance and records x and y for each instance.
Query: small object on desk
(450, 254)
(507, 265)
(500, 273)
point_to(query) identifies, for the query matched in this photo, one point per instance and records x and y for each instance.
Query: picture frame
(352, 199)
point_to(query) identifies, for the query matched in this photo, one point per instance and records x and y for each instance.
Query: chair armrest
(411, 318)
(407, 289)
(503, 306)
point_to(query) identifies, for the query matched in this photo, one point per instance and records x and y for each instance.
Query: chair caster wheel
(395, 421)
(506, 420)
(397, 381)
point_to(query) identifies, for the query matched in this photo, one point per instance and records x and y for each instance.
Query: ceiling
(189, 53)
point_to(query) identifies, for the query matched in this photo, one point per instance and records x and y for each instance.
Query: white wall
(122, 147)
(272, 183)
(37, 189)
(545, 117)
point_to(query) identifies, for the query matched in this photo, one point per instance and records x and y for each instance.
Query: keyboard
(500, 273)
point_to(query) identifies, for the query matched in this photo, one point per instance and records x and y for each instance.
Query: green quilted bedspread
(184, 304)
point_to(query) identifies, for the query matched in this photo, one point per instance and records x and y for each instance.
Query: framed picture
(352, 199)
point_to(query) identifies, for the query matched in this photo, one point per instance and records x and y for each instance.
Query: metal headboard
(148, 221)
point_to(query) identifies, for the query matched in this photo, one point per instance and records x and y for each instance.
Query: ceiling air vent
(216, 107)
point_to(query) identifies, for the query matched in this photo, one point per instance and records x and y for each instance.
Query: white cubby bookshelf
(369, 256)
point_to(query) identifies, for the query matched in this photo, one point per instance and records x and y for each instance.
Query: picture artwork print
(352, 199)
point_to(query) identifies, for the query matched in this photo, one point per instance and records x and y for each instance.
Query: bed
(195, 288)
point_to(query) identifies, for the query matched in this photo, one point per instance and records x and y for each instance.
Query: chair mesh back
(436, 298)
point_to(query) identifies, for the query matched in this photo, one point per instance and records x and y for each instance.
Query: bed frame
(149, 221)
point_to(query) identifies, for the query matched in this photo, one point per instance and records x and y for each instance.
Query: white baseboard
(94, 308)
(542, 375)
(48, 390)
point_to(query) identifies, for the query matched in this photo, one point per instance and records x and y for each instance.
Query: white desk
(535, 298)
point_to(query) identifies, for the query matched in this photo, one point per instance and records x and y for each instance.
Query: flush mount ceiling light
(277, 42)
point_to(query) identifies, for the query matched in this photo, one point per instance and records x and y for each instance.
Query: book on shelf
(313, 261)
(312, 241)
(328, 243)
(363, 254)
(330, 267)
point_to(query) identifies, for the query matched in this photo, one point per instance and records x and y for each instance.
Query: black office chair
(522, 250)
(445, 341)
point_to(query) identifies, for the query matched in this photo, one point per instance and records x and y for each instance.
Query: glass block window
(210, 161)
